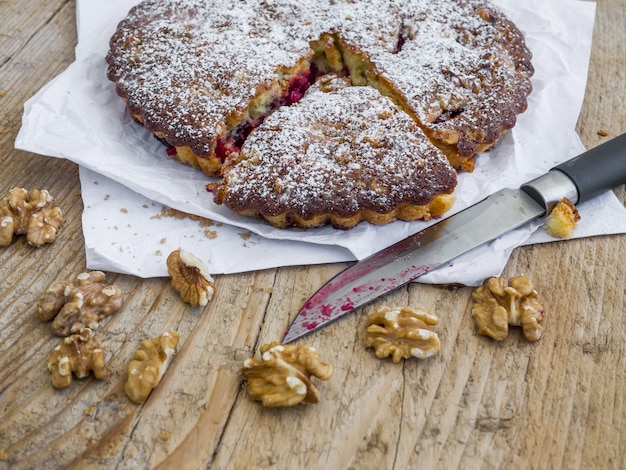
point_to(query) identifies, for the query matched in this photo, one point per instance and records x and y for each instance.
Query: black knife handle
(597, 170)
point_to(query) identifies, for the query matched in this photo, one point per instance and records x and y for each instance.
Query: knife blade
(579, 179)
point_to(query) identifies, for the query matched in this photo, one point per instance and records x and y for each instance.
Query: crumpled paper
(78, 116)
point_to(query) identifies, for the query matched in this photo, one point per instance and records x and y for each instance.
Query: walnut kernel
(282, 377)
(562, 220)
(148, 365)
(190, 278)
(83, 302)
(497, 306)
(402, 333)
(80, 354)
(32, 213)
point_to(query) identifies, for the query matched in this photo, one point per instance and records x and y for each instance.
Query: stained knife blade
(579, 179)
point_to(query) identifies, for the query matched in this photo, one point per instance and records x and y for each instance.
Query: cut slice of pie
(341, 155)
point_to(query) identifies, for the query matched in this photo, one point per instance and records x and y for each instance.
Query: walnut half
(496, 306)
(190, 278)
(148, 365)
(80, 303)
(32, 213)
(80, 354)
(282, 377)
(402, 333)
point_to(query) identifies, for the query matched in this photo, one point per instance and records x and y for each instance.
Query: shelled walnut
(496, 306)
(190, 278)
(32, 213)
(402, 333)
(282, 377)
(148, 365)
(80, 303)
(80, 354)
(563, 219)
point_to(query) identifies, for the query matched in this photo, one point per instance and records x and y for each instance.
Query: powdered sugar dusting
(340, 150)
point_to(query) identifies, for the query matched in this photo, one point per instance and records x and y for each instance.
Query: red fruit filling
(294, 92)
(234, 140)
(448, 114)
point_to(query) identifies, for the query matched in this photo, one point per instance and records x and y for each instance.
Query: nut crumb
(120, 338)
(603, 133)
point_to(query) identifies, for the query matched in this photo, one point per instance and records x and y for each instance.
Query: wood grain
(559, 403)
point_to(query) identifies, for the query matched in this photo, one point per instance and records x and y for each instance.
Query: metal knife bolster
(548, 189)
(583, 177)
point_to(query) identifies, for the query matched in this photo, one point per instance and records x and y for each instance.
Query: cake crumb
(603, 133)
(563, 219)
(169, 212)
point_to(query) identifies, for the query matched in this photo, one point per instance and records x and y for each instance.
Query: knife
(579, 179)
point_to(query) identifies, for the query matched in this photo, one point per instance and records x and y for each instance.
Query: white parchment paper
(78, 116)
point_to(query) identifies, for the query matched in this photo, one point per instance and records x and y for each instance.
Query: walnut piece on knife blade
(496, 306)
(149, 363)
(79, 354)
(563, 219)
(402, 333)
(282, 377)
(83, 302)
(29, 212)
(190, 278)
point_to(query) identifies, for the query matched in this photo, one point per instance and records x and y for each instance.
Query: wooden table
(558, 403)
